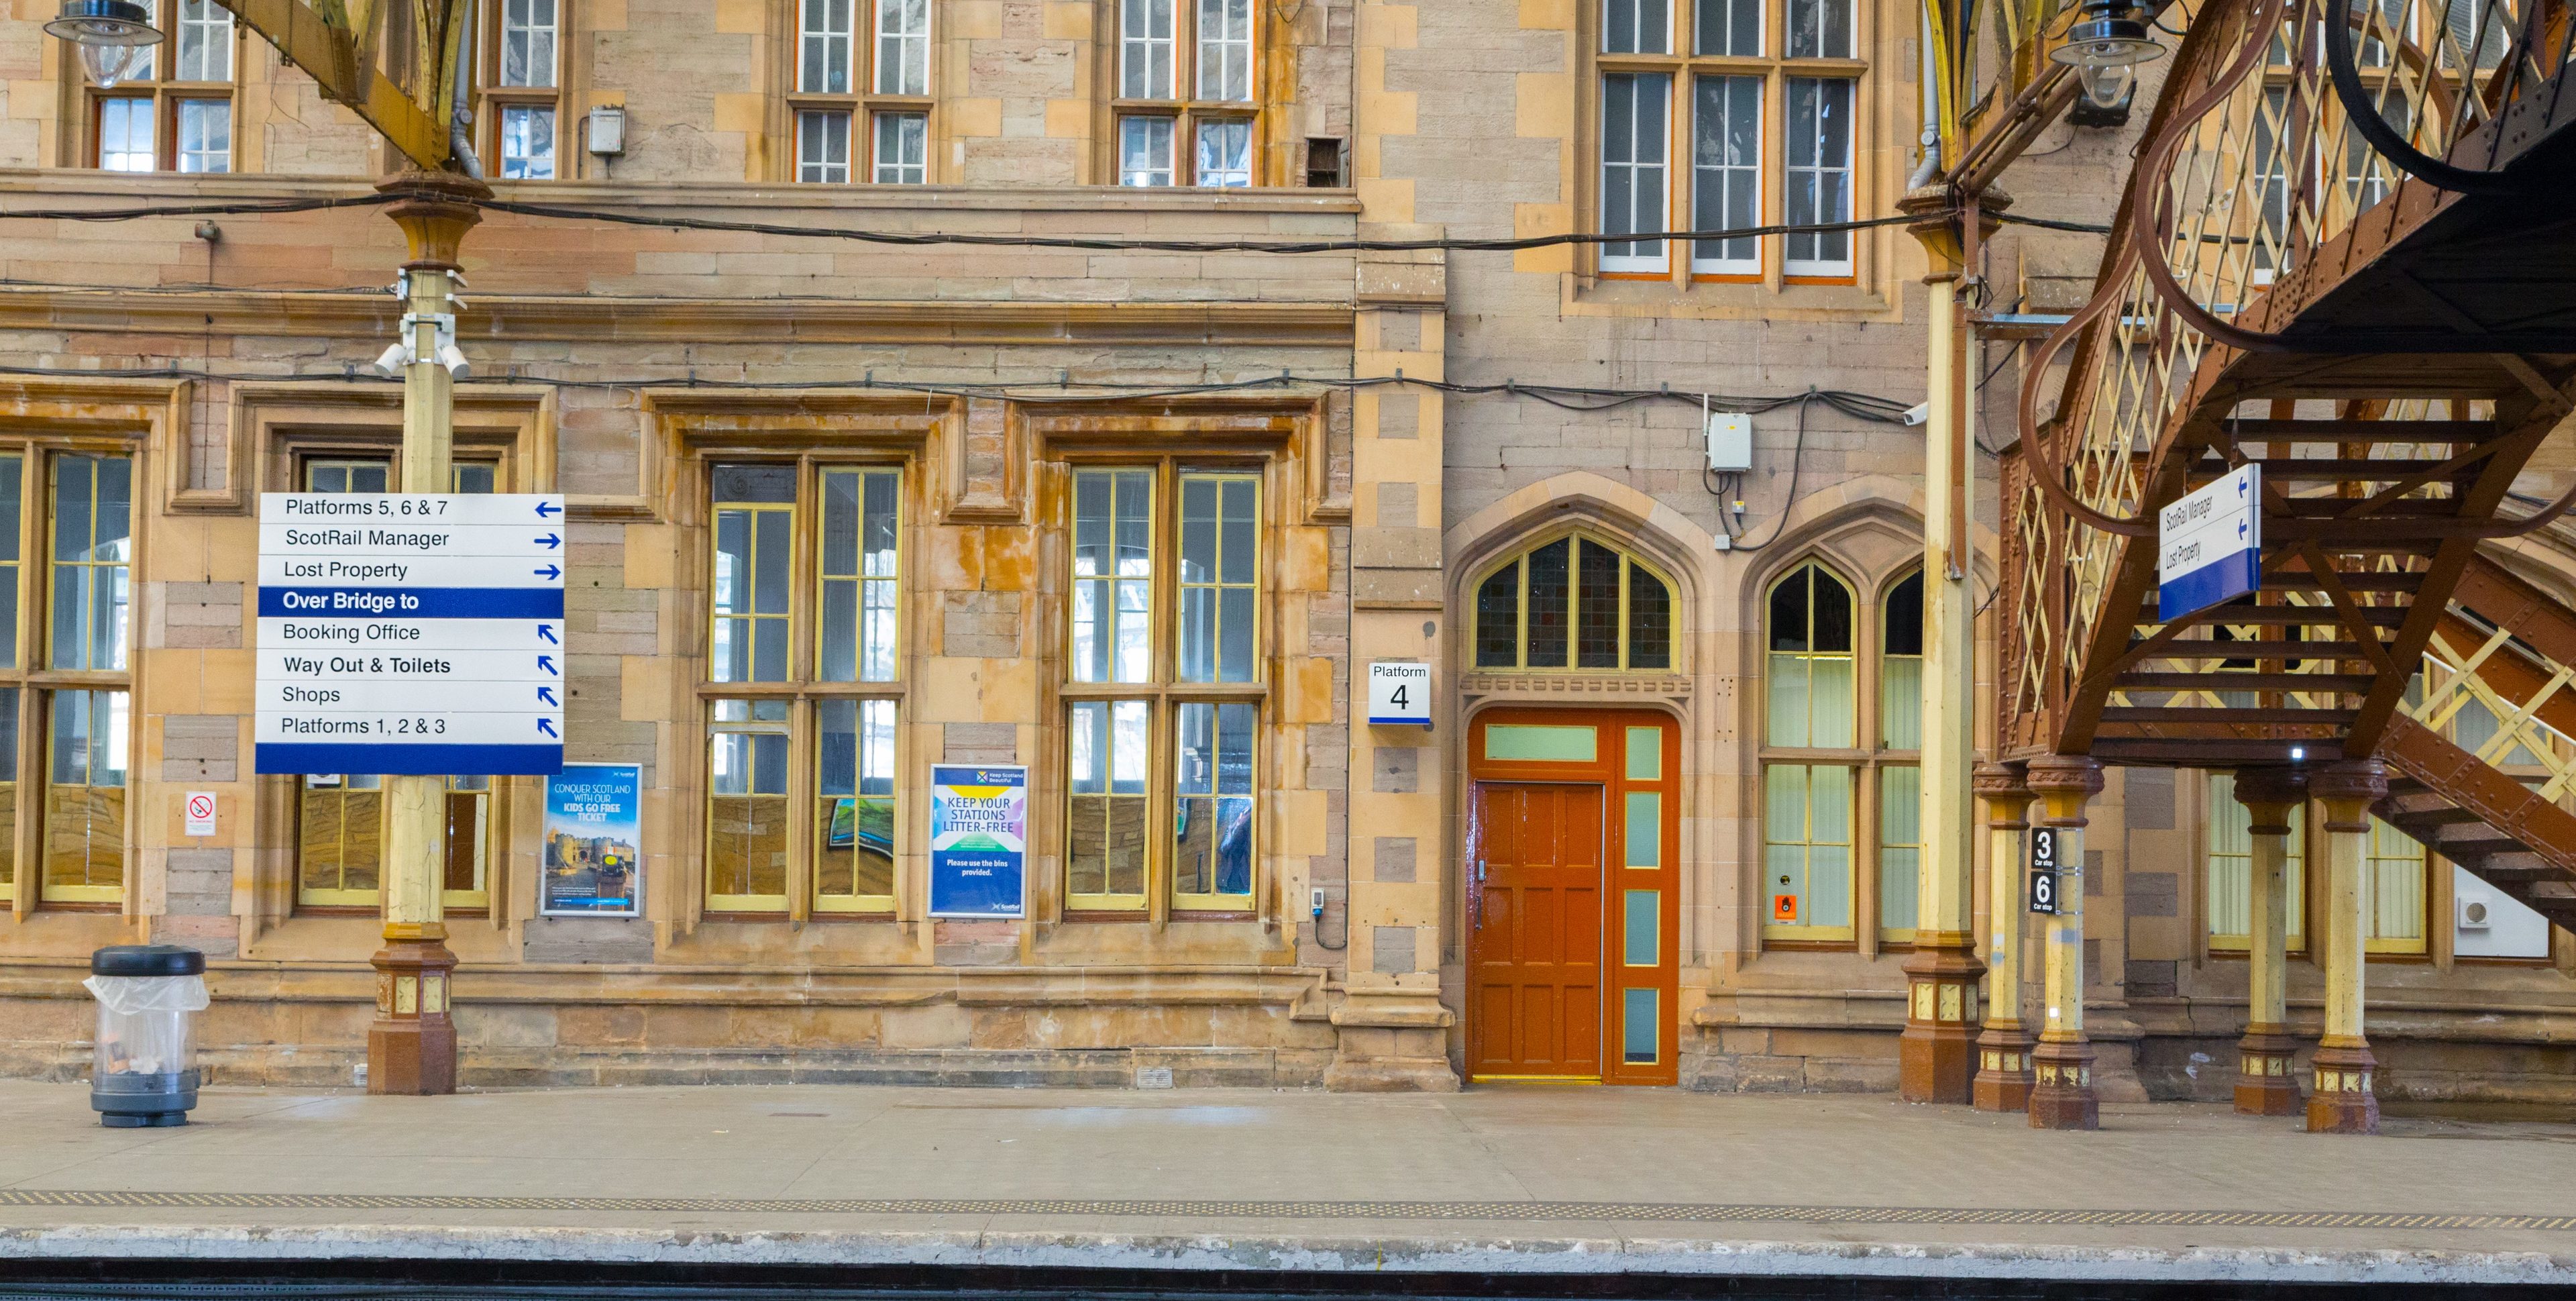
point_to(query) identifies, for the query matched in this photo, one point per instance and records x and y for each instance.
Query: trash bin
(145, 1073)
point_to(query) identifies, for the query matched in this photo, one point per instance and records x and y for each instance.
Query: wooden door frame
(1607, 770)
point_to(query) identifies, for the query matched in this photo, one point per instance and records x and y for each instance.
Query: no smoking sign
(199, 808)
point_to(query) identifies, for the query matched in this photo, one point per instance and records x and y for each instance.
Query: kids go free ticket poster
(594, 864)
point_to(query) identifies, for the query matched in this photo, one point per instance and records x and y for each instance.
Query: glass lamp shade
(2109, 35)
(108, 64)
(2106, 85)
(110, 35)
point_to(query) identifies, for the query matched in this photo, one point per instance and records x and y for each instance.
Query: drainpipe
(460, 123)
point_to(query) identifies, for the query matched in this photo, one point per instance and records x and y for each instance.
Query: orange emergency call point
(1784, 907)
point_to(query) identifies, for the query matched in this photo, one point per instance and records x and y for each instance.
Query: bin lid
(147, 960)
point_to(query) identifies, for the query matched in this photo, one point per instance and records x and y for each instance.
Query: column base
(1391, 1044)
(2061, 1091)
(2267, 1074)
(2003, 1070)
(1936, 1056)
(411, 1047)
(2341, 1099)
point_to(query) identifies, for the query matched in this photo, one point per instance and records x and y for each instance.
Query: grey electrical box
(608, 132)
(1730, 441)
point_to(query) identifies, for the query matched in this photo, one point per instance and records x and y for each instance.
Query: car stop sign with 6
(410, 633)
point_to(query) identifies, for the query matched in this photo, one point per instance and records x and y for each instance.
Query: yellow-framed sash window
(93, 555)
(339, 817)
(1109, 751)
(2394, 878)
(751, 586)
(1164, 643)
(469, 832)
(861, 566)
(1577, 603)
(347, 474)
(1900, 851)
(1810, 802)
(1807, 851)
(86, 749)
(1220, 580)
(1113, 576)
(89, 579)
(805, 595)
(1900, 666)
(12, 557)
(1809, 705)
(2230, 870)
(854, 806)
(12, 576)
(747, 818)
(339, 842)
(1212, 824)
(9, 697)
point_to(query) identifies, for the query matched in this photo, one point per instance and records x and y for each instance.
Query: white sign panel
(197, 808)
(2209, 545)
(415, 633)
(1399, 693)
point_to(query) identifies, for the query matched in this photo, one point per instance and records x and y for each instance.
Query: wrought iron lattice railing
(2257, 189)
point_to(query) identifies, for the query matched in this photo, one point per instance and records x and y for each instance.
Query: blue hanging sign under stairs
(2209, 545)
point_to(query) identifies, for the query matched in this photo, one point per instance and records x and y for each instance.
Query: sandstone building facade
(1135, 517)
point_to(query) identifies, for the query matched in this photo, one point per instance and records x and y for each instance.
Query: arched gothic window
(1574, 602)
(1842, 732)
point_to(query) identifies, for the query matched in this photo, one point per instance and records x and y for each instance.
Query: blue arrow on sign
(547, 726)
(545, 508)
(547, 694)
(547, 631)
(550, 541)
(547, 663)
(547, 572)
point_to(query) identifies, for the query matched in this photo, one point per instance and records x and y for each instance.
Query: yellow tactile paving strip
(1664, 1212)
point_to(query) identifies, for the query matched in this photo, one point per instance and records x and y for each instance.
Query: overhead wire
(1860, 406)
(1005, 239)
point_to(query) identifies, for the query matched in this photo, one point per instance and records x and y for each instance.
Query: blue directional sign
(2209, 545)
(410, 633)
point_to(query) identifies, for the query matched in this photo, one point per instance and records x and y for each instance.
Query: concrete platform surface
(1525, 1180)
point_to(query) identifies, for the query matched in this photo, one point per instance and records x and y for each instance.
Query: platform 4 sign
(410, 633)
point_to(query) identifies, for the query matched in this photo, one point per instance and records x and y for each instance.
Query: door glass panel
(1645, 754)
(1642, 1020)
(1643, 930)
(1645, 829)
(1536, 742)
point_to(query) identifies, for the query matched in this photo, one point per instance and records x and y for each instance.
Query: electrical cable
(222, 209)
(921, 239)
(1797, 466)
(2365, 116)
(924, 239)
(1859, 406)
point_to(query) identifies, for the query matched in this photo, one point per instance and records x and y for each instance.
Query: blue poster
(979, 841)
(594, 862)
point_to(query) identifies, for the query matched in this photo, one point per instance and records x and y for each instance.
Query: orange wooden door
(1534, 939)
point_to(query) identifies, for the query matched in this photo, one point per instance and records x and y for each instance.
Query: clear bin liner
(143, 1022)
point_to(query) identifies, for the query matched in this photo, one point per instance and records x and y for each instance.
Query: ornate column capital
(2277, 785)
(2005, 787)
(434, 209)
(2349, 787)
